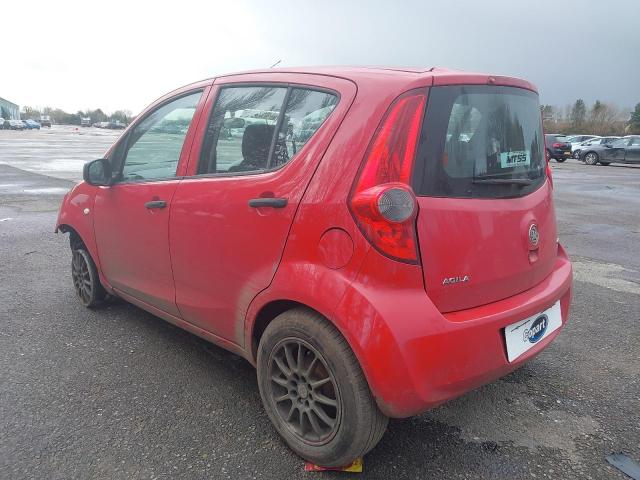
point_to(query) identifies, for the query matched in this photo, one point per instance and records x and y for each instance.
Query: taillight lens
(382, 201)
(557, 145)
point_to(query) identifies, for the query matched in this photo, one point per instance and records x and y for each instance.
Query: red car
(375, 241)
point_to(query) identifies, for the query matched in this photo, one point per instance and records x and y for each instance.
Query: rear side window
(255, 129)
(480, 142)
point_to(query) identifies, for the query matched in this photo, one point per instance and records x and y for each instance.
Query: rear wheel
(86, 281)
(560, 160)
(314, 391)
(591, 158)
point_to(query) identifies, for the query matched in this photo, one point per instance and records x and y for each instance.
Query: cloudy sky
(123, 54)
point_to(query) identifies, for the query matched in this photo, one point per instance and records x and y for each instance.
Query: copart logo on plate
(538, 327)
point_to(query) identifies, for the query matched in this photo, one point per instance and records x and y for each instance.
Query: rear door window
(255, 129)
(241, 129)
(480, 142)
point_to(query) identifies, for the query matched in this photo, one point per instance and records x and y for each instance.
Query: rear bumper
(421, 358)
(556, 153)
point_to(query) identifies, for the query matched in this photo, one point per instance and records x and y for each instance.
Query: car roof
(346, 71)
(356, 73)
(436, 75)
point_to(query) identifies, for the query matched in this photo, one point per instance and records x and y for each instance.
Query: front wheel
(591, 158)
(85, 279)
(314, 391)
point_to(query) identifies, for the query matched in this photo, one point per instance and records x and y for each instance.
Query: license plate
(523, 335)
(567, 153)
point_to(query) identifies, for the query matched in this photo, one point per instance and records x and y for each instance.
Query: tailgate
(478, 251)
(486, 224)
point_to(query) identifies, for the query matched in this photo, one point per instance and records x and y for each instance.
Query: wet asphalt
(118, 393)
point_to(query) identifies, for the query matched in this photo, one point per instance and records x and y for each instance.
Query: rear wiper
(503, 181)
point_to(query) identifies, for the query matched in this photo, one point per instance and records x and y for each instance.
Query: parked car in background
(622, 150)
(116, 125)
(576, 140)
(1, 123)
(45, 121)
(16, 125)
(558, 146)
(31, 124)
(307, 260)
(594, 141)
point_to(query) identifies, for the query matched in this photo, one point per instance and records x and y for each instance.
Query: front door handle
(156, 204)
(268, 202)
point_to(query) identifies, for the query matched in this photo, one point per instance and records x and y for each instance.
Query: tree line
(601, 118)
(61, 117)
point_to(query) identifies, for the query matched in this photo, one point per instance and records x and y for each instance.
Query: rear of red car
(455, 185)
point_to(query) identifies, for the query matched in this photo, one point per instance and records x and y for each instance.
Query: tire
(86, 281)
(604, 163)
(576, 155)
(561, 160)
(306, 366)
(591, 158)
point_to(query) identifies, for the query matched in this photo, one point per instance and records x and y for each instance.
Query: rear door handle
(156, 204)
(268, 202)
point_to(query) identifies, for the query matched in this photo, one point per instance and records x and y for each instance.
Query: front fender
(76, 212)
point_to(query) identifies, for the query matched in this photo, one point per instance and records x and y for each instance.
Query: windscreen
(480, 142)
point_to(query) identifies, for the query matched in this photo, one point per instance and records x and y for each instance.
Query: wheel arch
(266, 314)
(75, 239)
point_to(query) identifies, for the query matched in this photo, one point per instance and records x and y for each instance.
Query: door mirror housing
(97, 172)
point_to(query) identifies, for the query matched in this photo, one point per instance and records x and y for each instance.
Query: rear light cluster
(382, 201)
(558, 145)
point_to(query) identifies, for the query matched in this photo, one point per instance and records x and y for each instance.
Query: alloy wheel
(304, 391)
(81, 276)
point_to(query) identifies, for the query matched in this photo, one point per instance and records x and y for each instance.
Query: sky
(117, 54)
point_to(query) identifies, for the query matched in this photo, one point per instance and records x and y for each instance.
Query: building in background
(8, 110)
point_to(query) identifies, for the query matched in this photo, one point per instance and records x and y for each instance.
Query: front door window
(153, 146)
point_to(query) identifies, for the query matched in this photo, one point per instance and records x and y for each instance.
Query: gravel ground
(118, 393)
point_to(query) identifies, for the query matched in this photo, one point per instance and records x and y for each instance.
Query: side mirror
(233, 122)
(97, 172)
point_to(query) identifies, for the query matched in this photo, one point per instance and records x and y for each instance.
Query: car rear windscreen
(480, 142)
